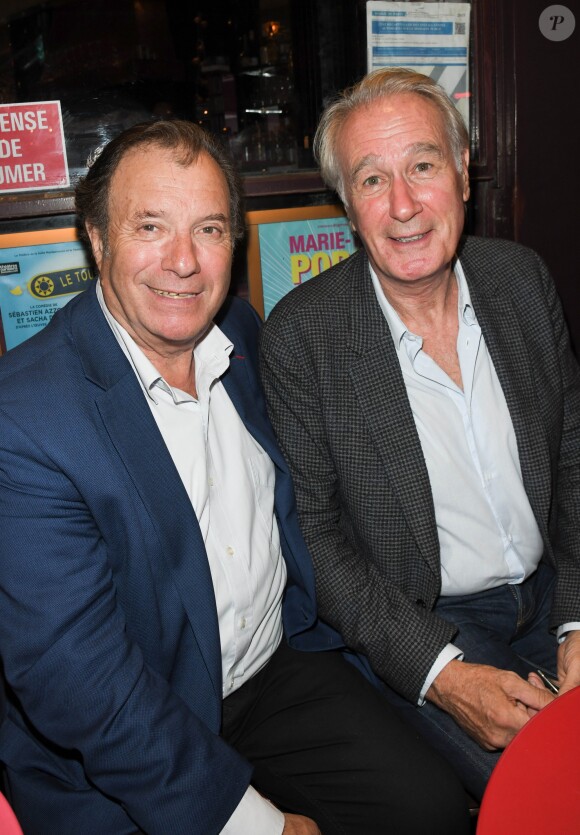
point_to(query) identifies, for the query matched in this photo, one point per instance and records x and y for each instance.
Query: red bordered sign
(32, 148)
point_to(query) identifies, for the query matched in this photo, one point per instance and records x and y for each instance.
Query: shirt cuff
(447, 654)
(254, 814)
(565, 628)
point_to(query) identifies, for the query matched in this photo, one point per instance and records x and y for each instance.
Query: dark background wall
(547, 138)
(525, 171)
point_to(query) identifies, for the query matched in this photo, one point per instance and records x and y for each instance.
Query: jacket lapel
(132, 430)
(249, 403)
(505, 340)
(244, 389)
(377, 379)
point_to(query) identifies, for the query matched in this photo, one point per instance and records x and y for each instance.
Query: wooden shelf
(42, 204)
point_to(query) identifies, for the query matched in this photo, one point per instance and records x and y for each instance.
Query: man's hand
(491, 705)
(299, 825)
(569, 662)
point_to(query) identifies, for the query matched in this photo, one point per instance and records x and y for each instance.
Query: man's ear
(465, 175)
(97, 246)
(348, 217)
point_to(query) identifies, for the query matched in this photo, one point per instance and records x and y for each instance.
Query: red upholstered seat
(535, 787)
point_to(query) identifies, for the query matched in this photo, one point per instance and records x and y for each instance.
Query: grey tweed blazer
(338, 403)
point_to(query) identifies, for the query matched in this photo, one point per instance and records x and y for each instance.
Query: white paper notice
(432, 38)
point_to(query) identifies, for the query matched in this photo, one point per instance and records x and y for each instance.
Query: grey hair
(380, 84)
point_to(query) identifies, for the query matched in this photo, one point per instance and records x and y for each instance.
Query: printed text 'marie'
(324, 240)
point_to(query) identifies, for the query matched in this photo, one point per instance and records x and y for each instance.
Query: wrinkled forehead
(398, 111)
(142, 166)
(151, 183)
(391, 127)
(152, 153)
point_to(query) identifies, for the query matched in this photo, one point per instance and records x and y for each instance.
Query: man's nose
(404, 203)
(180, 256)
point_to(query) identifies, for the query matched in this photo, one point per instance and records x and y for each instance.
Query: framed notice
(287, 247)
(39, 273)
(431, 38)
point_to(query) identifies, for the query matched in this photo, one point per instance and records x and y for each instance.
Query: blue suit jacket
(109, 634)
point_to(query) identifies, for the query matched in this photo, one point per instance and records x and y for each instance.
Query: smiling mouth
(409, 240)
(168, 294)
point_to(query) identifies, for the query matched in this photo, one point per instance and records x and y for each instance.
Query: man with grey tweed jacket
(426, 397)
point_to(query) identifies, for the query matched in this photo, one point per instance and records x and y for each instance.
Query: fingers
(569, 662)
(491, 705)
(535, 680)
(569, 682)
(299, 825)
(527, 692)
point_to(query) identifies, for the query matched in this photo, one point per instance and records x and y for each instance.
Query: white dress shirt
(230, 482)
(487, 531)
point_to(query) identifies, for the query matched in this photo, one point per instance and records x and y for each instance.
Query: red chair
(8, 823)
(535, 787)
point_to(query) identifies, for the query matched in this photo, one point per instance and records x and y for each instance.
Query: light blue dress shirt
(487, 530)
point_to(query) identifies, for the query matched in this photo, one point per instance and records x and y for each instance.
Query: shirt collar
(396, 325)
(211, 355)
(465, 307)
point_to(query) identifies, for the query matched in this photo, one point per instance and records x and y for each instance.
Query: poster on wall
(431, 38)
(290, 246)
(39, 273)
(32, 147)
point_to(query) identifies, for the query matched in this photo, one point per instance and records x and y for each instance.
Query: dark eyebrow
(147, 214)
(218, 216)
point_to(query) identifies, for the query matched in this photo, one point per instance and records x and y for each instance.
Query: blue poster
(37, 280)
(292, 252)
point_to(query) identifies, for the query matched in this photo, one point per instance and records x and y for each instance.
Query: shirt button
(242, 623)
(210, 481)
(230, 551)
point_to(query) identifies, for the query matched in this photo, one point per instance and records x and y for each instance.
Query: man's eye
(212, 231)
(149, 227)
(373, 180)
(424, 167)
